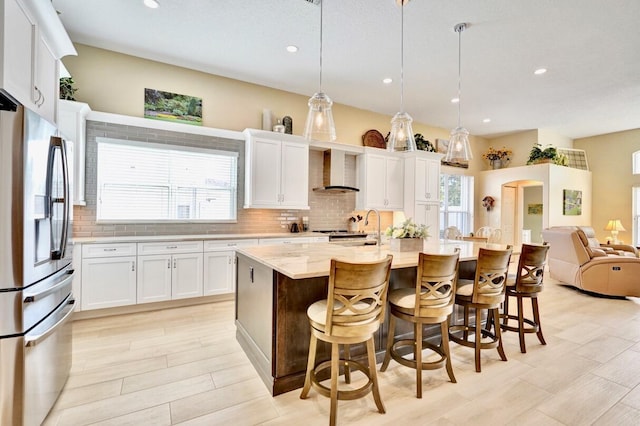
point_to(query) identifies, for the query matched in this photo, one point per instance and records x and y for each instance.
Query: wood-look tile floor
(184, 366)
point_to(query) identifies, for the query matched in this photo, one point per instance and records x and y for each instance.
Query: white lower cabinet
(108, 275)
(169, 271)
(220, 265)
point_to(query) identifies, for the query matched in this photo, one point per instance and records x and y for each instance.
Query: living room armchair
(574, 261)
(621, 249)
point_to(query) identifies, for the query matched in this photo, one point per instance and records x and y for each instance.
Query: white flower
(408, 229)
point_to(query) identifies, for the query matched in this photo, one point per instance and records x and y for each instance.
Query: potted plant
(423, 144)
(67, 91)
(497, 157)
(407, 237)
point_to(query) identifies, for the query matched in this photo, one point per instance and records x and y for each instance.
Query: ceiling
(591, 49)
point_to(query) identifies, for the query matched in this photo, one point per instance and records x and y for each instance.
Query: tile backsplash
(328, 211)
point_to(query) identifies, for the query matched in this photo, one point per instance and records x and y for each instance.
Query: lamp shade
(614, 225)
(458, 149)
(401, 137)
(320, 125)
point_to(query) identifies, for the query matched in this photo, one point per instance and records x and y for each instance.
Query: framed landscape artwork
(159, 105)
(572, 202)
(441, 148)
(534, 209)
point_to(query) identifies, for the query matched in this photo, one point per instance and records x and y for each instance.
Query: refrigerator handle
(58, 143)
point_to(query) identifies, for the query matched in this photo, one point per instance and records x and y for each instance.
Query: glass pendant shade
(459, 149)
(401, 137)
(320, 125)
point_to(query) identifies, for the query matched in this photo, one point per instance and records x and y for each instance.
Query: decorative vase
(407, 244)
(496, 164)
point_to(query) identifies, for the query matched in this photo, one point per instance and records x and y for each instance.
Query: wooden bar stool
(527, 283)
(352, 313)
(430, 301)
(485, 292)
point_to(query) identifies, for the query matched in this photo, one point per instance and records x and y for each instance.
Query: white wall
(532, 222)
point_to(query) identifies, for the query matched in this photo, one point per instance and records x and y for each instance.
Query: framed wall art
(572, 202)
(441, 148)
(534, 209)
(159, 105)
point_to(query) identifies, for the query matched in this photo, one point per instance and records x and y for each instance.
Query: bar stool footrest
(411, 363)
(343, 395)
(493, 343)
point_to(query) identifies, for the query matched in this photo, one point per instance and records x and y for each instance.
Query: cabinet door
(428, 214)
(17, 57)
(108, 282)
(394, 183)
(375, 181)
(154, 278)
(295, 176)
(46, 76)
(219, 272)
(186, 276)
(265, 174)
(427, 180)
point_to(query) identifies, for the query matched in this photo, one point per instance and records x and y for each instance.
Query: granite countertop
(313, 260)
(152, 238)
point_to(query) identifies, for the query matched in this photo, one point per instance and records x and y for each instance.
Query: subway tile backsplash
(328, 211)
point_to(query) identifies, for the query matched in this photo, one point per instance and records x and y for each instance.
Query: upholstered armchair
(574, 261)
(621, 249)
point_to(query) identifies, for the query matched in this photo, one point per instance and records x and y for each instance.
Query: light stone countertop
(314, 259)
(206, 237)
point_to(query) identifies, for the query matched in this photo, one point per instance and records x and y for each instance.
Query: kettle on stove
(294, 227)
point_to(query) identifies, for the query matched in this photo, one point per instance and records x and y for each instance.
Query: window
(141, 181)
(636, 163)
(456, 203)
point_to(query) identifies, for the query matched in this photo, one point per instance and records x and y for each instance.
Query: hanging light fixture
(401, 136)
(320, 125)
(459, 148)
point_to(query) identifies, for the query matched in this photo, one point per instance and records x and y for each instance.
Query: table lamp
(614, 226)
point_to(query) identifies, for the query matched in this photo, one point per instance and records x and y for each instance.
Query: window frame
(466, 209)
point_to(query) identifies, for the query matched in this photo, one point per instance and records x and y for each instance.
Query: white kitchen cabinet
(45, 83)
(220, 265)
(422, 189)
(18, 35)
(276, 171)
(108, 275)
(72, 119)
(169, 271)
(380, 180)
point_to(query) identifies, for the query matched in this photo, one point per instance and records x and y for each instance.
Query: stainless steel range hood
(333, 173)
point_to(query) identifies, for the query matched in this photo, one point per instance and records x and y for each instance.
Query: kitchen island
(276, 284)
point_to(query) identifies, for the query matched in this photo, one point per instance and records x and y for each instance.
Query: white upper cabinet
(422, 188)
(276, 171)
(380, 180)
(32, 40)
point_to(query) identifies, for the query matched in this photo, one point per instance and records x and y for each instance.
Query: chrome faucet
(366, 222)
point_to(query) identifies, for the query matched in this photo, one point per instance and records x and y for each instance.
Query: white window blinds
(140, 181)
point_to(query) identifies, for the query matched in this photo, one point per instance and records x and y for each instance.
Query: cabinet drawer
(292, 240)
(216, 245)
(108, 250)
(170, 247)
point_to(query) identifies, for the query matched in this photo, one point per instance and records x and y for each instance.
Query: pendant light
(401, 136)
(459, 149)
(320, 125)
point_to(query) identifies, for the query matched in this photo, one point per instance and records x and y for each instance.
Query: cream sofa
(573, 261)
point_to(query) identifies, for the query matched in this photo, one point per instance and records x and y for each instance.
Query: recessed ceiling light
(540, 71)
(455, 100)
(152, 4)
(292, 49)
(486, 120)
(387, 80)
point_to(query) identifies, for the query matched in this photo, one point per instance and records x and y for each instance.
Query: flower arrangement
(408, 229)
(497, 154)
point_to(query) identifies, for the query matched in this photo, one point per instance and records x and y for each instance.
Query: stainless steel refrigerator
(35, 265)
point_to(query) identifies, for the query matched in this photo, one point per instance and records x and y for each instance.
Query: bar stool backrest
(357, 297)
(491, 275)
(436, 283)
(533, 259)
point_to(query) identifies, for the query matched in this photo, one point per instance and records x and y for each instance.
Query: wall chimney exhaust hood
(333, 173)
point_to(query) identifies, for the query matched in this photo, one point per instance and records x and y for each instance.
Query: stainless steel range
(35, 266)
